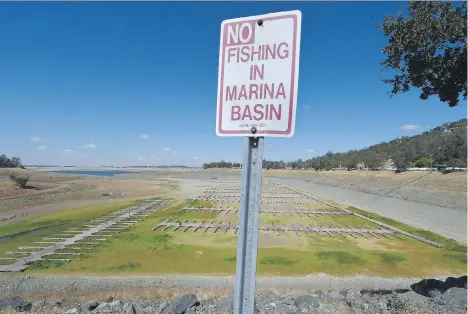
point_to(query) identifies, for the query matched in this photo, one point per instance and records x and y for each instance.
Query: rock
(91, 305)
(116, 304)
(180, 304)
(382, 304)
(412, 297)
(149, 310)
(426, 285)
(109, 299)
(452, 282)
(434, 293)
(128, 308)
(162, 306)
(74, 310)
(39, 304)
(455, 294)
(108, 193)
(306, 301)
(288, 301)
(333, 295)
(206, 302)
(18, 303)
(350, 293)
(408, 302)
(225, 305)
(190, 311)
(281, 308)
(112, 307)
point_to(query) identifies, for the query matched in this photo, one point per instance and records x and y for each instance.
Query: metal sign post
(249, 220)
(257, 98)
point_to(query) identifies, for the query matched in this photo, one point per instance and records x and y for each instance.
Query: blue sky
(84, 83)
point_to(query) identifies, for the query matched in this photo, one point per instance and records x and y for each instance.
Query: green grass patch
(448, 244)
(131, 266)
(67, 217)
(230, 259)
(340, 257)
(456, 257)
(43, 265)
(277, 260)
(391, 258)
(140, 250)
(34, 229)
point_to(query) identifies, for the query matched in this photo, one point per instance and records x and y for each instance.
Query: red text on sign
(257, 112)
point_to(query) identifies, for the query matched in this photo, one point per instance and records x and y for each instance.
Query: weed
(230, 259)
(126, 267)
(46, 265)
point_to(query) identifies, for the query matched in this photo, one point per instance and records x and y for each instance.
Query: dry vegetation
(50, 192)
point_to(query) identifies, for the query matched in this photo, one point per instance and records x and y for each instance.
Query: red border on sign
(293, 72)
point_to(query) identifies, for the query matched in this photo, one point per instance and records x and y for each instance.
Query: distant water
(102, 173)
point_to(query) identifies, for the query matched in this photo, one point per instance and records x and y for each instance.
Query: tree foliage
(19, 179)
(427, 50)
(444, 145)
(221, 164)
(6, 162)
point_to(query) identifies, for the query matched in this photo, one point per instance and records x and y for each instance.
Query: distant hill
(443, 145)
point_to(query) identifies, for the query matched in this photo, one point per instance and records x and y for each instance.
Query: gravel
(319, 294)
(14, 283)
(452, 301)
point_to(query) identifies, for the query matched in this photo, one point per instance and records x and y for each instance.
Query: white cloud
(310, 150)
(174, 153)
(42, 147)
(144, 136)
(36, 139)
(184, 157)
(33, 153)
(159, 158)
(410, 127)
(70, 150)
(195, 157)
(166, 149)
(141, 158)
(87, 146)
(269, 144)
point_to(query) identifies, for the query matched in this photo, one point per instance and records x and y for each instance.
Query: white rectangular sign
(258, 75)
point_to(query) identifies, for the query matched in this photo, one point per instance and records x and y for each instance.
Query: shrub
(19, 179)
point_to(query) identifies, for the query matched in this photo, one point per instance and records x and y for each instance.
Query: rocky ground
(426, 296)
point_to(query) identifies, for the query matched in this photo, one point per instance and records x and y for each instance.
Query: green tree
(427, 50)
(422, 162)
